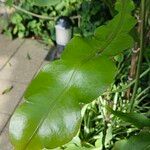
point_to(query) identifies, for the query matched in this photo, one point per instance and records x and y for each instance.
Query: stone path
(19, 62)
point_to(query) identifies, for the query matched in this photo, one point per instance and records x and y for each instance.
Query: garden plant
(96, 96)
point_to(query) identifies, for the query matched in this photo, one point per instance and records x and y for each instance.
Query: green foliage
(75, 144)
(137, 142)
(19, 28)
(42, 29)
(9, 2)
(50, 116)
(91, 13)
(46, 2)
(136, 119)
(92, 123)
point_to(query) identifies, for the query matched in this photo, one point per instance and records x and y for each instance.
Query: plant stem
(142, 25)
(29, 13)
(130, 84)
(102, 109)
(104, 134)
(32, 14)
(42, 16)
(132, 73)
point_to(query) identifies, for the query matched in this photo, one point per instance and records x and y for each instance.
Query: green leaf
(45, 2)
(9, 2)
(137, 142)
(135, 119)
(109, 39)
(51, 113)
(20, 34)
(50, 116)
(16, 19)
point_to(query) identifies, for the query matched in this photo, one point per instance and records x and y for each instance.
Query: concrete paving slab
(32, 50)
(19, 70)
(3, 120)
(4, 41)
(5, 140)
(8, 48)
(11, 99)
(25, 63)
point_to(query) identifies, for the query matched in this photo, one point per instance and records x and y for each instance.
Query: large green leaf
(50, 115)
(45, 2)
(137, 142)
(137, 119)
(109, 39)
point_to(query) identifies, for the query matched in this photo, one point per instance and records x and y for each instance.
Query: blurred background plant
(85, 14)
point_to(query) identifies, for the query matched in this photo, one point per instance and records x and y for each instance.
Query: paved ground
(19, 62)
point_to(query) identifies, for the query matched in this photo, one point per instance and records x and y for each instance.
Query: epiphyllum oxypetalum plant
(50, 115)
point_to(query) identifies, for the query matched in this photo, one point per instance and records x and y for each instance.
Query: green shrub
(92, 13)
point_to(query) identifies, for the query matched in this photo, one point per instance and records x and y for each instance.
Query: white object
(63, 35)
